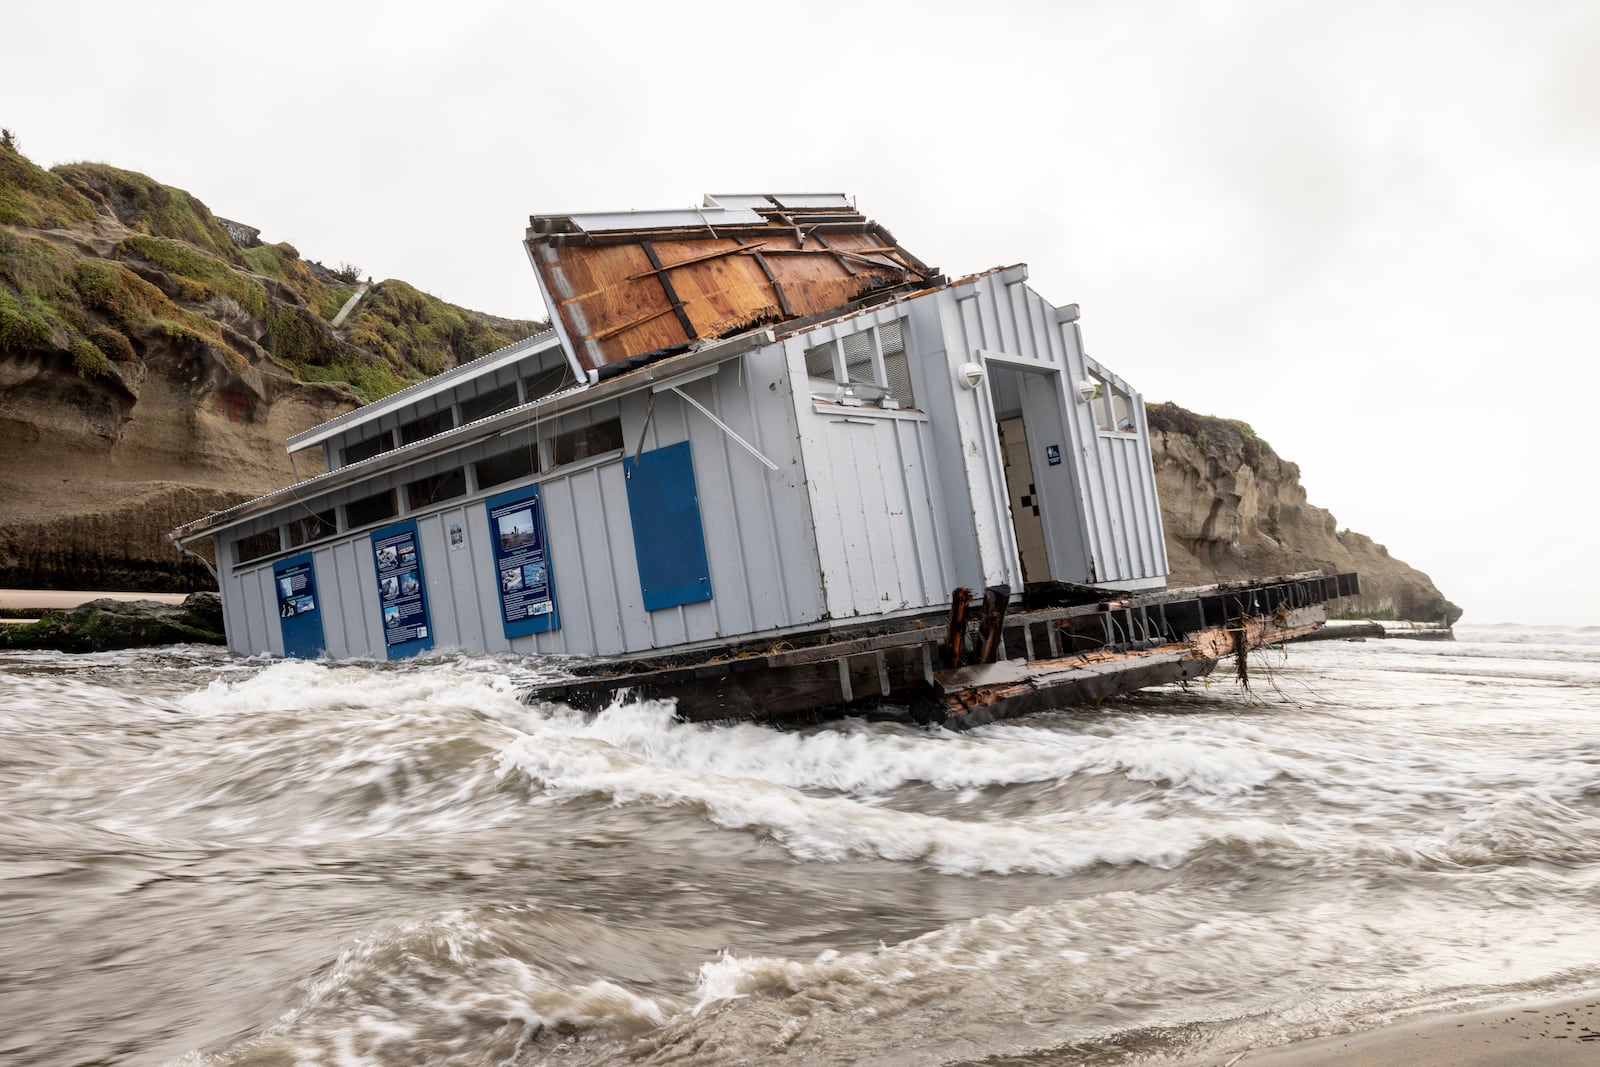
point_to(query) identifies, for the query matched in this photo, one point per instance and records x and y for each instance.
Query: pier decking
(1027, 661)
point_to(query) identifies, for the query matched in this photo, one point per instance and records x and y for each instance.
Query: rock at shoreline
(1234, 509)
(105, 625)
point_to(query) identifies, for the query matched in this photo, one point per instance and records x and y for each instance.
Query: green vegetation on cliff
(32, 196)
(100, 265)
(417, 334)
(145, 205)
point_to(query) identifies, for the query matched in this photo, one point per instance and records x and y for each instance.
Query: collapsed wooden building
(757, 424)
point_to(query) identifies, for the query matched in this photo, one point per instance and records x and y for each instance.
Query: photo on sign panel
(516, 530)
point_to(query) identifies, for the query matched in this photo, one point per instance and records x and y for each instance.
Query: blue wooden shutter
(668, 538)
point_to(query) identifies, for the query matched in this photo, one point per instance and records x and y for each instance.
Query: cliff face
(104, 456)
(153, 360)
(1234, 509)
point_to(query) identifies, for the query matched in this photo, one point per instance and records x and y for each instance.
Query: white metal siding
(871, 479)
(1107, 478)
(884, 513)
(759, 542)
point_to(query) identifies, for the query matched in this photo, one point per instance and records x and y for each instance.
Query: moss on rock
(105, 625)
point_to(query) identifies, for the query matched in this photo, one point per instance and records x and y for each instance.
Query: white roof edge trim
(779, 200)
(671, 219)
(305, 439)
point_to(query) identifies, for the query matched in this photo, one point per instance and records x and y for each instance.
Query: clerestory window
(1112, 406)
(868, 367)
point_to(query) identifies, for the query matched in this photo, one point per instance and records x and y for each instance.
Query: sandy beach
(1555, 1033)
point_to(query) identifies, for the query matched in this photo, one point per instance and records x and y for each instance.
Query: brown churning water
(248, 862)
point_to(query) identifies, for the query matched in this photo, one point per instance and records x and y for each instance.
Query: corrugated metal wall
(759, 540)
(996, 320)
(870, 512)
(875, 495)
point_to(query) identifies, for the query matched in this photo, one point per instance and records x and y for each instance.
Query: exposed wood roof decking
(621, 286)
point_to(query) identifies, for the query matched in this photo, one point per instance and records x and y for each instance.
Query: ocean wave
(1057, 970)
(1520, 634)
(465, 987)
(294, 752)
(835, 828)
(869, 759)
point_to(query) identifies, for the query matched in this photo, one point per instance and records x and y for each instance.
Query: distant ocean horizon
(251, 861)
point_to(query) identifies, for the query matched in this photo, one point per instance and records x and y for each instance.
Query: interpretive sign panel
(522, 563)
(401, 591)
(299, 615)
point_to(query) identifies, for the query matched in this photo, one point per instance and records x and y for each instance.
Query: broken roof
(626, 287)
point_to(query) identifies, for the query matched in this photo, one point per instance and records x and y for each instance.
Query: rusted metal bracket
(644, 427)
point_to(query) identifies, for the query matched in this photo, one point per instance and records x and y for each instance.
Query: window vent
(870, 366)
(265, 543)
(313, 527)
(370, 509)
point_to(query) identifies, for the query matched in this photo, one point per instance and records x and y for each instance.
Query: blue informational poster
(1052, 455)
(299, 615)
(402, 592)
(522, 563)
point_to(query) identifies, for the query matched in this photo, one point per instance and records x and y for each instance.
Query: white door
(1024, 499)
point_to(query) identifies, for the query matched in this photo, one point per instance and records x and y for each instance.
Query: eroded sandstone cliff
(1233, 508)
(153, 360)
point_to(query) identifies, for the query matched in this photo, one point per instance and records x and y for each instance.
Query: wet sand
(1556, 1033)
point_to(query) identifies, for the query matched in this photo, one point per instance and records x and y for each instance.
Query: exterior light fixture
(970, 375)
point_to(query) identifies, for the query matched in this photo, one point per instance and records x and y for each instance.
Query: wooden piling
(956, 628)
(992, 622)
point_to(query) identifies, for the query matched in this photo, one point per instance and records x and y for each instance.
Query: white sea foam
(309, 686)
(866, 758)
(840, 827)
(1399, 837)
(305, 752)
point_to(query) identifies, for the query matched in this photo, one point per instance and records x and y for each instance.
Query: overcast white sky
(1368, 229)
